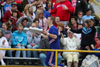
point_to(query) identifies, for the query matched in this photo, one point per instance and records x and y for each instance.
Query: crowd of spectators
(74, 20)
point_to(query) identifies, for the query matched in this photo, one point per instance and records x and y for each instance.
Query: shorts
(71, 57)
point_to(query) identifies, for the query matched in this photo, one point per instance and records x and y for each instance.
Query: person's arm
(24, 43)
(70, 8)
(13, 40)
(53, 11)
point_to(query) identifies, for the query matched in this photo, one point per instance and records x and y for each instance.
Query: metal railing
(54, 50)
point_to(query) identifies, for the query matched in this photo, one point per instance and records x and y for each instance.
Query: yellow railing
(56, 51)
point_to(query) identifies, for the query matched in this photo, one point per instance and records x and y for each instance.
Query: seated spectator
(19, 40)
(49, 5)
(14, 17)
(46, 14)
(3, 44)
(88, 15)
(42, 20)
(8, 14)
(71, 43)
(8, 35)
(44, 44)
(28, 12)
(57, 21)
(97, 46)
(79, 18)
(33, 42)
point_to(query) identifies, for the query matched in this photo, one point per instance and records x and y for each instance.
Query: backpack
(90, 61)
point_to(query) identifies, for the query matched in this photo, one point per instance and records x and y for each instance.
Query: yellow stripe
(87, 51)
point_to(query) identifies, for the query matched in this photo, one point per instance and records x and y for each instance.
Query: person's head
(24, 22)
(33, 25)
(92, 22)
(1, 33)
(4, 26)
(40, 14)
(88, 12)
(14, 7)
(57, 19)
(98, 40)
(8, 1)
(70, 34)
(15, 14)
(73, 20)
(60, 26)
(49, 4)
(80, 14)
(28, 8)
(87, 23)
(40, 6)
(50, 20)
(19, 28)
(36, 21)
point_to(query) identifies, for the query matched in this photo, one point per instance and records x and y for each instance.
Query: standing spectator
(88, 15)
(8, 14)
(63, 10)
(7, 5)
(19, 40)
(3, 44)
(71, 43)
(79, 17)
(54, 42)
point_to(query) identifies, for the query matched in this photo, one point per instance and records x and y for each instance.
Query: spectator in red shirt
(63, 9)
(8, 14)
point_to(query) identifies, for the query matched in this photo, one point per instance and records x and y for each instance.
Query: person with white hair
(3, 44)
(71, 43)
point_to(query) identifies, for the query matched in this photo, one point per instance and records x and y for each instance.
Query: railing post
(56, 58)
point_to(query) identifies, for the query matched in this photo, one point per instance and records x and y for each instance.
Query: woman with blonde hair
(42, 20)
(29, 12)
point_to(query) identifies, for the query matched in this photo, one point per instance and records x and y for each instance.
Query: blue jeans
(19, 52)
(35, 54)
(9, 52)
(43, 59)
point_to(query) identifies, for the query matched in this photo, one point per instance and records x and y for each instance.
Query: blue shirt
(87, 17)
(54, 43)
(6, 7)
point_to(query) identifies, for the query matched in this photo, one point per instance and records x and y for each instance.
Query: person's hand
(23, 45)
(92, 46)
(87, 47)
(62, 35)
(65, 7)
(45, 32)
(18, 45)
(32, 44)
(3, 42)
(68, 28)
